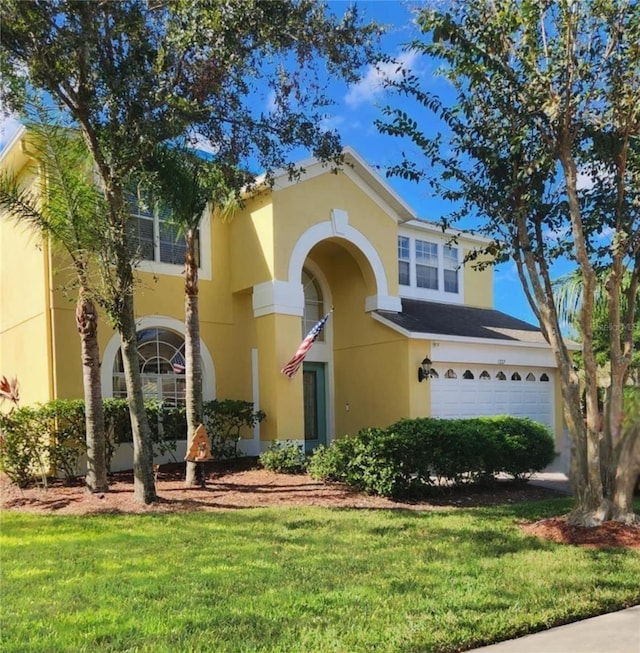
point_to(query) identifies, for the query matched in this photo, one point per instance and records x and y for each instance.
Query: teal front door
(315, 405)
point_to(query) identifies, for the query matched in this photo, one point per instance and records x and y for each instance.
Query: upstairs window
(429, 268)
(404, 261)
(154, 235)
(426, 265)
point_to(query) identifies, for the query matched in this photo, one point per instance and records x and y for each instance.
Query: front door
(315, 405)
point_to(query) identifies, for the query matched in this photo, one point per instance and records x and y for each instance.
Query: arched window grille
(450, 374)
(530, 377)
(484, 375)
(162, 367)
(516, 377)
(501, 376)
(468, 375)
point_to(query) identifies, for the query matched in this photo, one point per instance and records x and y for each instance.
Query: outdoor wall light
(424, 371)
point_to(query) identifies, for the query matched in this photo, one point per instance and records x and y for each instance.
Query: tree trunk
(87, 323)
(144, 486)
(193, 364)
(627, 469)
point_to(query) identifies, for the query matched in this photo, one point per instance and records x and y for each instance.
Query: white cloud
(201, 143)
(375, 79)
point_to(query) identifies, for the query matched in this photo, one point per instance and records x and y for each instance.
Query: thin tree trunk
(144, 486)
(87, 323)
(627, 469)
(193, 399)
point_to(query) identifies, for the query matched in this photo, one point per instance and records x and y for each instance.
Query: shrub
(23, 456)
(63, 421)
(408, 455)
(225, 421)
(37, 440)
(284, 458)
(527, 446)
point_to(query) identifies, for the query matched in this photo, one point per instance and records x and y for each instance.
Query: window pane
(403, 248)
(141, 237)
(450, 259)
(451, 281)
(403, 273)
(173, 247)
(426, 253)
(313, 304)
(426, 277)
(426, 265)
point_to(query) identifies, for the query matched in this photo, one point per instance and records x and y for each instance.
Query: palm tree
(568, 297)
(70, 217)
(188, 183)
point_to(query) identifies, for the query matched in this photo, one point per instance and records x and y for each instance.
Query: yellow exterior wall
(280, 397)
(478, 286)
(311, 201)
(25, 333)
(251, 248)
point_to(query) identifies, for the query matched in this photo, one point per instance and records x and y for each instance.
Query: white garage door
(475, 390)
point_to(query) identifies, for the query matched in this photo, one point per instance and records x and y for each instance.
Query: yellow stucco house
(346, 241)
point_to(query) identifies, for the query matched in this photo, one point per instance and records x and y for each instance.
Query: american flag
(294, 364)
(178, 364)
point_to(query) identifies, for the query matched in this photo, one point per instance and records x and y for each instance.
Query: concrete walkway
(553, 480)
(617, 632)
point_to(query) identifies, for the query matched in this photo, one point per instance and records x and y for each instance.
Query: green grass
(292, 580)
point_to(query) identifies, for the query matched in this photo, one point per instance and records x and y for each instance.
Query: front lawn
(296, 579)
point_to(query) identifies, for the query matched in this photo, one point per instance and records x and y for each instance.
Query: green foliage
(23, 447)
(522, 445)
(226, 421)
(408, 456)
(51, 437)
(63, 421)
(284, 457)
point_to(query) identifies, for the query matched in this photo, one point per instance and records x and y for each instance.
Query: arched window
(162, 367)
(434, 374)
(313, 304)
(468, 375)
(485, 375)
(501, 376)
(516, 377)
(544, 378)
(450, 374)
(530, 377)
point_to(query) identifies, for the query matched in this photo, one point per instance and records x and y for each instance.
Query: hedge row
(413, 454)
(36, 440)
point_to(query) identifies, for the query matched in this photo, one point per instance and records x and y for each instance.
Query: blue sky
(357, 107)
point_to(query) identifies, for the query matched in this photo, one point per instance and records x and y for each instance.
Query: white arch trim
(319, 232)
(157, 322)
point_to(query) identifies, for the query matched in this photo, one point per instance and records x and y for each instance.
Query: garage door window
(485, 375)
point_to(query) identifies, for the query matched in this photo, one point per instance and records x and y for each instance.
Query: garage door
(473, 391)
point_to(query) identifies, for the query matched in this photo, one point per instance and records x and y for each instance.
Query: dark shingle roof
(463, 321)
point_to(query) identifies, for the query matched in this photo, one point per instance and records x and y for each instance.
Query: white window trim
(412, 291)
(177, 270)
